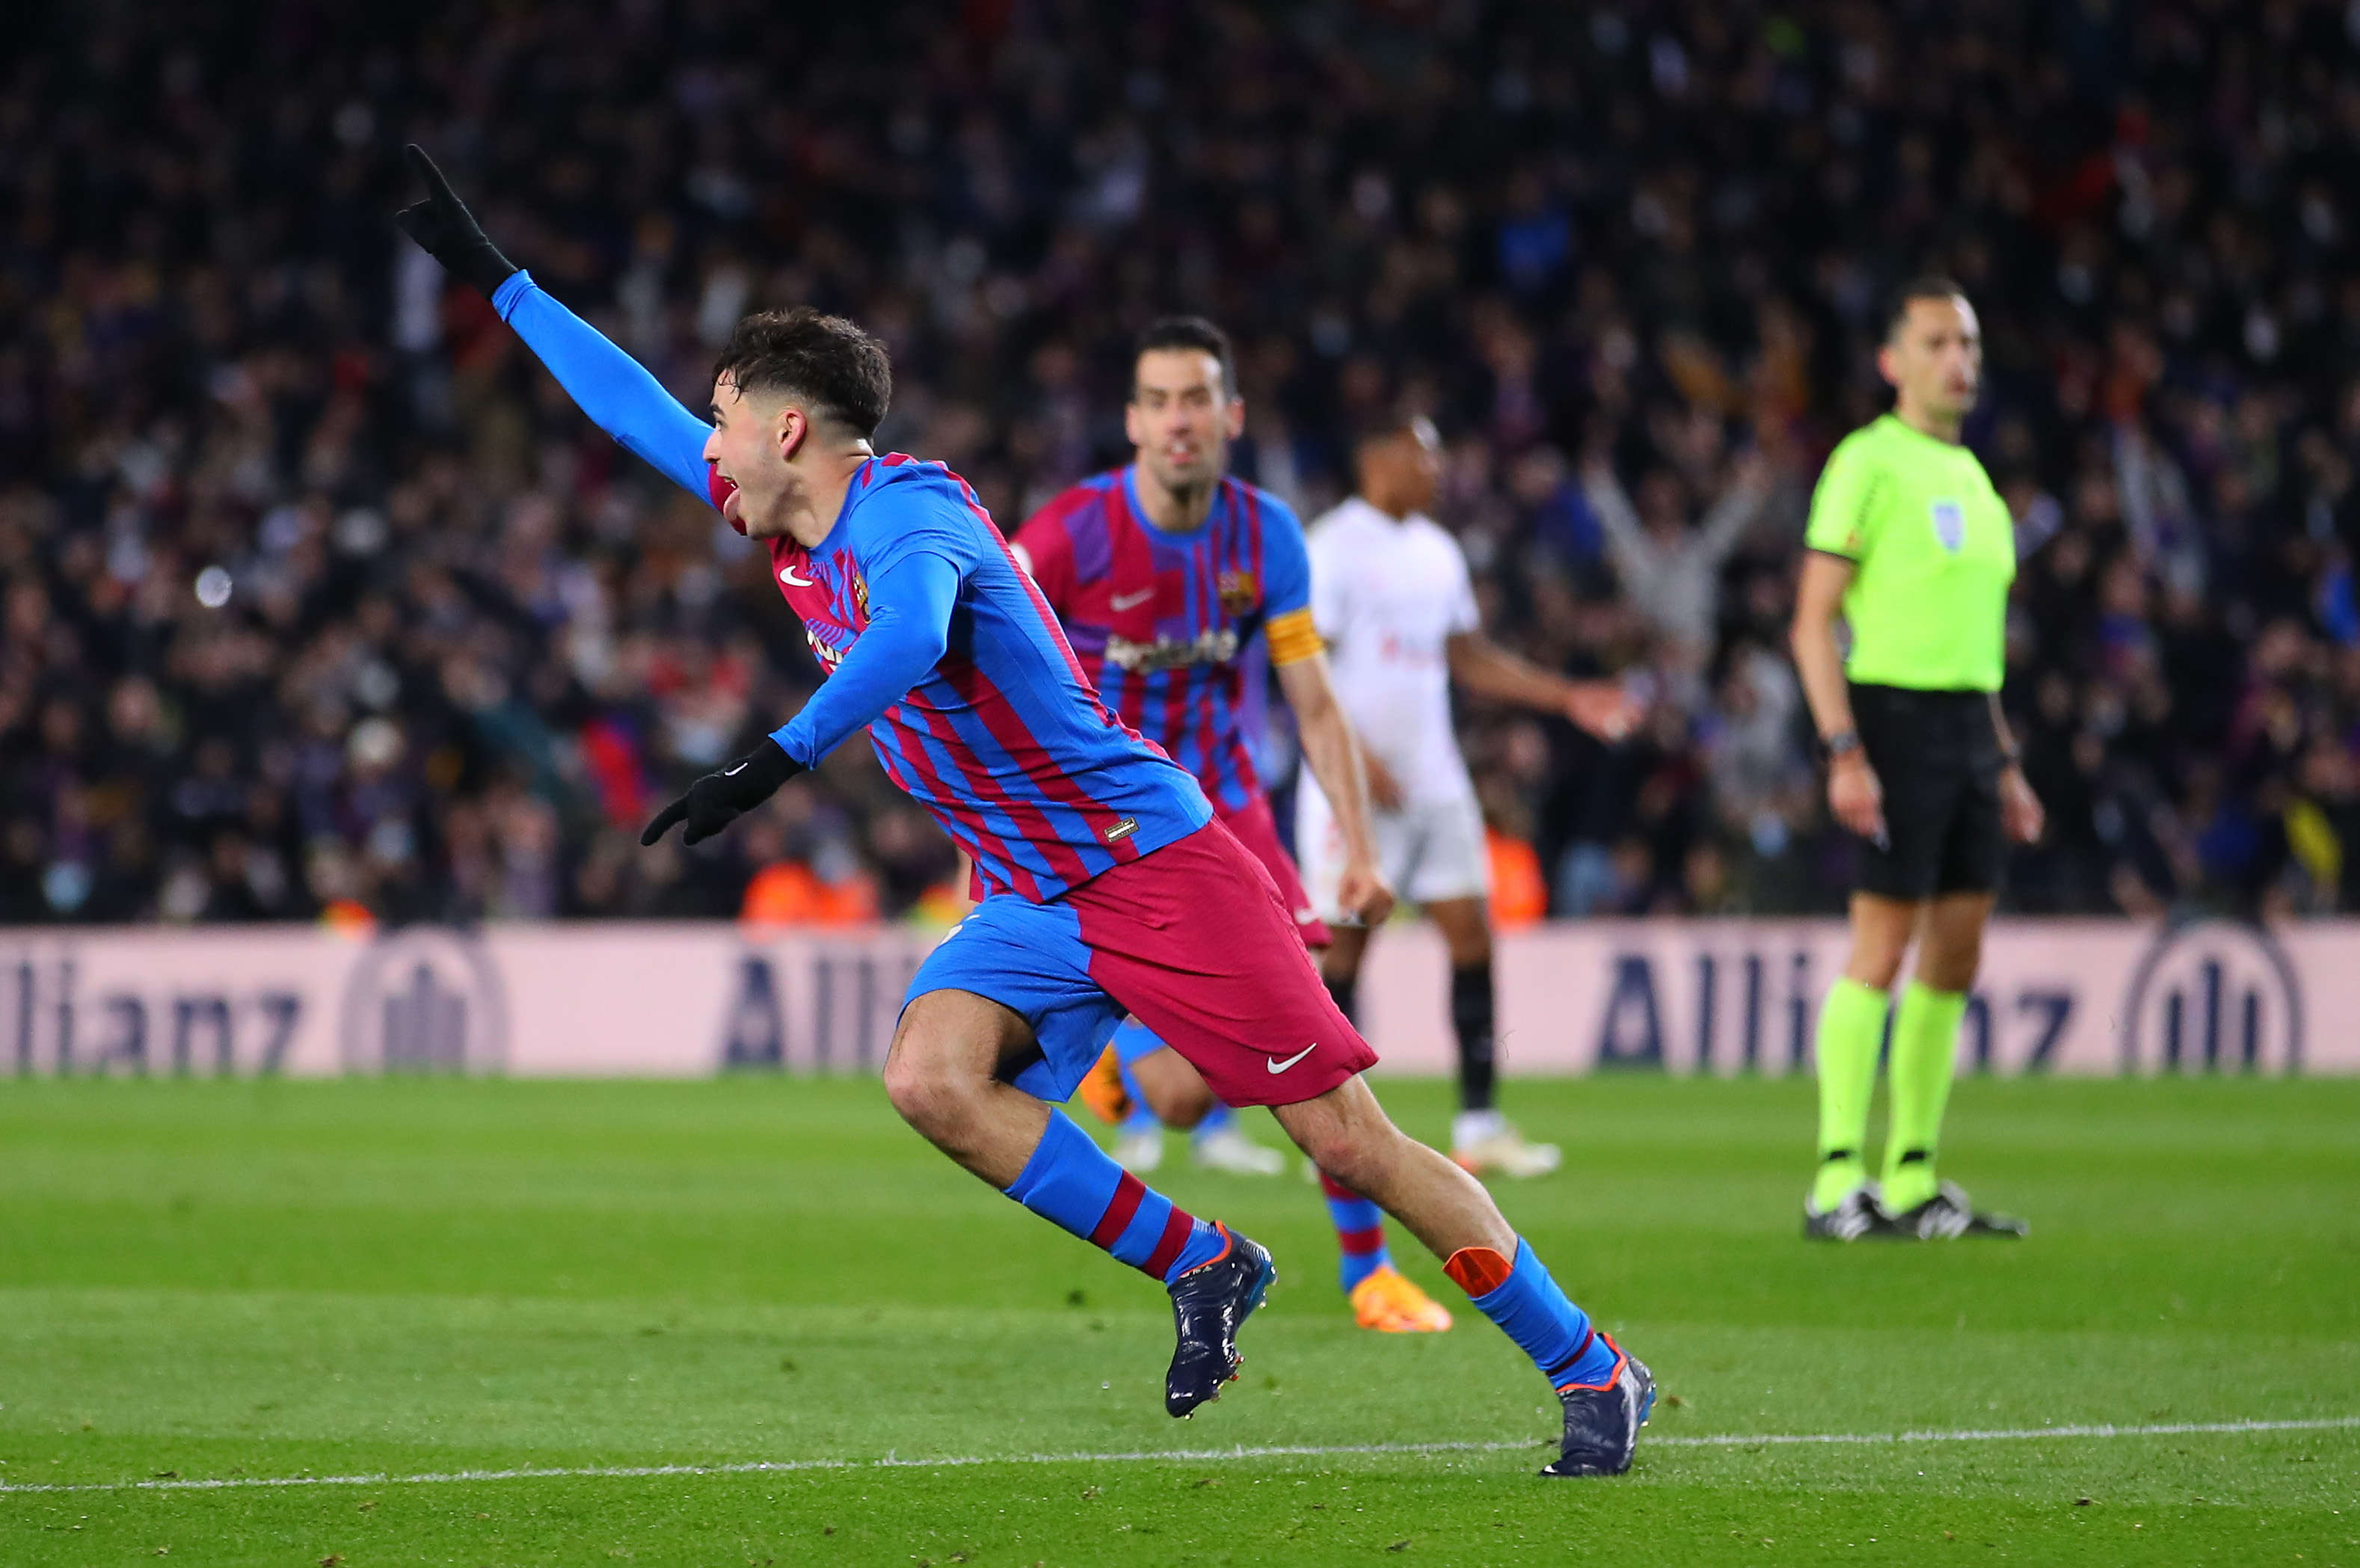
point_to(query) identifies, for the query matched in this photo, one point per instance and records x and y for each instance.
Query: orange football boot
(1390, 1302)
(1102, 1089)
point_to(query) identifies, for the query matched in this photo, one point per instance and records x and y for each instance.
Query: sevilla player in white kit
(1391, 596)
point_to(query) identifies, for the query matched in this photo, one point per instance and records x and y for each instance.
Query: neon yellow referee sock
(1925, 1049)
(1851, 1027)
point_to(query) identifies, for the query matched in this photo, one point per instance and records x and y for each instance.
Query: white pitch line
(1168, 1455)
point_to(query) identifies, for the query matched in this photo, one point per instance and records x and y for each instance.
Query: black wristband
(1842, 744)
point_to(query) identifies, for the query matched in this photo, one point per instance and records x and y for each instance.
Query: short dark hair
(1930, 287)
(1390, 424)
(1190, 332)
(841, 370)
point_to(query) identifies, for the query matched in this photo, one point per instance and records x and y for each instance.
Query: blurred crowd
(321, 599)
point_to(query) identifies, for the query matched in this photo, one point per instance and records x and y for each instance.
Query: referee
(1909, 544)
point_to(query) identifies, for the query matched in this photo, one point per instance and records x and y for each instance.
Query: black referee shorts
(1938, 759)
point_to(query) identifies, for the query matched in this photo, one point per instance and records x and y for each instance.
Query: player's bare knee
(1346, 1136)
(927, 1086)
(1357, 1166)
(1175, 1090)
(1181, 1107)
(918, 1089)
(1951, 967)
(1874, 968)
(1876, 956)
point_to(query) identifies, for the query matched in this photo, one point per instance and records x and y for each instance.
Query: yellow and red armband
(1292, 637)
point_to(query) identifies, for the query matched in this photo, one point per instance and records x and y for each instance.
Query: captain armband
(1292, 637)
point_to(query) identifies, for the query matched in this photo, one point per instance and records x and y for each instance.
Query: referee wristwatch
(1842, 744)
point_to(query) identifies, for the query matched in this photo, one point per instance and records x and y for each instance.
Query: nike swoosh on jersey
(1131, 601)
(787, 575)
(733, 772)
(1276, 1065)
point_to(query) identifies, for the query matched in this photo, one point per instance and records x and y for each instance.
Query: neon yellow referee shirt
(1935, 550)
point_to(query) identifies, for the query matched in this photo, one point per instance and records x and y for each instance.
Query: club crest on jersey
(1237, 590)
(860, 592)
(1950, 524)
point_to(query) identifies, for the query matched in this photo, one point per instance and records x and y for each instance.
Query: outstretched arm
(616, 391)
(1484, 668)
(612, 387)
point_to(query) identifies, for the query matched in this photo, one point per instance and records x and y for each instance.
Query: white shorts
(1429, 850)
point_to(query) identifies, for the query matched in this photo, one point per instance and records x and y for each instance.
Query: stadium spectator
(319, 598)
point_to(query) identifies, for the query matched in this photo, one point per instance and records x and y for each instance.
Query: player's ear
(1885, 365)
(792, 428)
(1131, 432)
(1235, 424)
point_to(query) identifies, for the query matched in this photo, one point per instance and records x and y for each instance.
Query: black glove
(715, 801)
(446, 231)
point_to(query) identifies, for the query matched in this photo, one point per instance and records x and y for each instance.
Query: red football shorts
(1257, 830)
(1197, 942)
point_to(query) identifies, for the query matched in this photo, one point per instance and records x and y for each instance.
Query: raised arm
(1739, 506)
(1616, 518)
(616, 391)
(1481, 666)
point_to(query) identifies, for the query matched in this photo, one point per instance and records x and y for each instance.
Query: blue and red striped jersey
(1005, 741)
(1161, 621)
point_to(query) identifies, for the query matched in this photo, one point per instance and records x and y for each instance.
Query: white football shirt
(1387, 595)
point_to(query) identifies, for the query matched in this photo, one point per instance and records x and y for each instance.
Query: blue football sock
(1530, 1309)
(1133, 1039)
(1072, 1183)
(1359, 1233)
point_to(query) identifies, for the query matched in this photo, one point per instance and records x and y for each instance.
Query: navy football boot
(1210, 1304)
(1602, 1420)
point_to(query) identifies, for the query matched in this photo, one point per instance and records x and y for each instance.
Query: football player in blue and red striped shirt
(1109, 888)
(1163, 571)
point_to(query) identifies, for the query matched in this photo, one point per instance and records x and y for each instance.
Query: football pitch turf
(757, 1321)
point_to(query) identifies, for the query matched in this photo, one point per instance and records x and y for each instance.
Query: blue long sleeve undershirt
(616, 391)
(909, 629)
(910, 602)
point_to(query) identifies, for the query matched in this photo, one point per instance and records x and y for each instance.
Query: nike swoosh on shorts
(1276, 1065)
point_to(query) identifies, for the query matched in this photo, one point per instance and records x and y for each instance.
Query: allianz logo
(55, 1021)
(1755, 1009)
(2214, 997)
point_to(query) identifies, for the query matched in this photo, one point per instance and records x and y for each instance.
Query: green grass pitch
(265, 1281)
